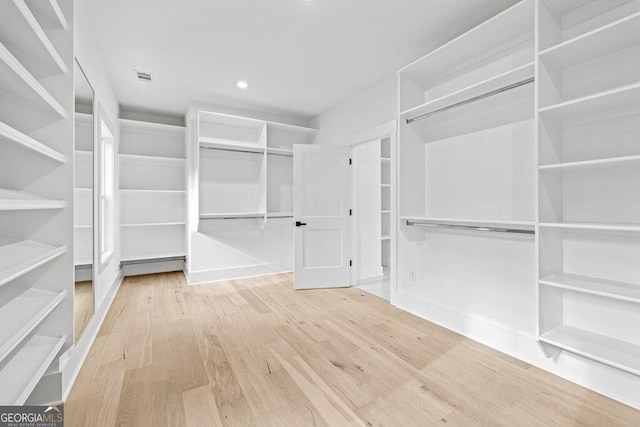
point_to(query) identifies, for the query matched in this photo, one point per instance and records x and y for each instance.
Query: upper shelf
(614, 99)
(27, 367)
(516, 225)
(151, 159)
(20, 257)
(503, 29)
(151, 127)
(21, 32)
(7, 133)
(16, 80)
(591, 226)
(473, 93)
(610, 38)
(455, 114)
(237, 215)
(19, 200)
(49, 13)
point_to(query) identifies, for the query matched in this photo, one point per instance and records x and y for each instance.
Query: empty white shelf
(20, 257)
(27, 367)
(151, 127)
(49, 12)
(21, 311)
(594, 286)
(9, 134)
(22, 33)
(16, 80)
(232, 215)
(591, 226)
(280, 151)
(502, 80)
(153, 159)
(385, 212)
(219, 144)
(154, 224)
(610, 351)
(19, 200)
(280, 215)
(593, 164)
(515, 24)
(385, 159)
(384, 237)
(605, 40)
(614, 99)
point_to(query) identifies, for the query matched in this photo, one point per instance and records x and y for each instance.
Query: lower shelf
(27, 367)
(610, 351)
(21, 312)
(594, 286)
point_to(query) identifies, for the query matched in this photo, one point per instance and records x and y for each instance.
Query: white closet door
(321, 188)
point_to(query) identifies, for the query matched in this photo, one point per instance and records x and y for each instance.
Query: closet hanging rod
(471, 100)
(470, 227)
(239, 150)
(205, 218)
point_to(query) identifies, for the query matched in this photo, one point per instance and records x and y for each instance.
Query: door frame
(385, 130)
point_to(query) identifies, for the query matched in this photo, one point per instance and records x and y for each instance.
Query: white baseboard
(603, 379)
(244, 272)
(81, 350)
(152, 267)
(370, 279)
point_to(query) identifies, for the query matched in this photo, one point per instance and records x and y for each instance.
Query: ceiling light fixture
(242, 84)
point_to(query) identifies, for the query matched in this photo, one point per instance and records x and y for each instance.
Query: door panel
(321, 188)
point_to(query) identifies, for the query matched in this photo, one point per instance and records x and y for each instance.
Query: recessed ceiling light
(242, 84)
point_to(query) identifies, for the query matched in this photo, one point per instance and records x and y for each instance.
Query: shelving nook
(467, 175)
(589, 200)
(152, 191)
(36, 192)
(242, 194)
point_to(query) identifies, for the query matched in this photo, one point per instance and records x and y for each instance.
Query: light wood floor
(255, 352)
(83, 306)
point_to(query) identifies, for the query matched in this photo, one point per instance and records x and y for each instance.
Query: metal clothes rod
(471, 100)
(470, 227)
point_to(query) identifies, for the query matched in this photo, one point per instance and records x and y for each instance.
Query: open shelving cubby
(589, 166)
(152, 191)
(466, 118)
(36, 192)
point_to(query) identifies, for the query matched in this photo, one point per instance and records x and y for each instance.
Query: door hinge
(349, 161)
(350, 263)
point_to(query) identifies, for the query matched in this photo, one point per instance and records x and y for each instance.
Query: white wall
(372, 106)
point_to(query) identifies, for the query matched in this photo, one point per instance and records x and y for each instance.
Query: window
(107, 192)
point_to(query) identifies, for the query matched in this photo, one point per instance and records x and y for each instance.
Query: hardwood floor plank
(255, 352)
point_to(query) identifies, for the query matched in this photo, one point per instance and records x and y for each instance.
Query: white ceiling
(299, 57)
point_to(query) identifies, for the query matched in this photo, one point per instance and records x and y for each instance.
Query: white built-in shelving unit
(245, 166)
(589, 210)
(152, 191)
(36, 194)
(467, 175)
(241, 194)
(83, 189)
(385, 207)
(510, 130)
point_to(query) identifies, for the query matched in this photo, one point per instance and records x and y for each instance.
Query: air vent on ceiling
(144, 77)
